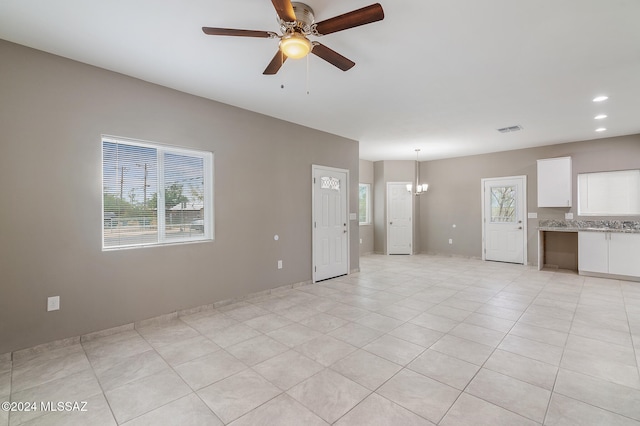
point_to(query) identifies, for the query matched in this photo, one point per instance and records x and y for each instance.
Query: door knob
(390, 223)
(345, 231)
(519, 227)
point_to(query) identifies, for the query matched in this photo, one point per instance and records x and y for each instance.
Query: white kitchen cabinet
(554, 182)
(593, 252)
(612, 253)
(624, 254)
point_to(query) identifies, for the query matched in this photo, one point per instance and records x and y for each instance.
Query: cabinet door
(593, 252)
(624, 254)
(554, 182)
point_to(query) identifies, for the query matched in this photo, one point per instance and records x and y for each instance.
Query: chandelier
(419, 188)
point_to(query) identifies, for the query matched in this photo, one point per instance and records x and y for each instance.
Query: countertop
(627, 226)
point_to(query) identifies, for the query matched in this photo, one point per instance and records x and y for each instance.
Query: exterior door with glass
(330, 224)
(504, 226)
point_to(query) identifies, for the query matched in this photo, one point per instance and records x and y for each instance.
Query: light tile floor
(410, 340)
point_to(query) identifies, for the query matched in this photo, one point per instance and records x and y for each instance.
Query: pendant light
(419, 188)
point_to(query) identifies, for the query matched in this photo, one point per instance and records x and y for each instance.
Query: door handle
(519, 227)
(345, 231)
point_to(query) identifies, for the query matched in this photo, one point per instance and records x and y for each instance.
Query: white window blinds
(154, 194)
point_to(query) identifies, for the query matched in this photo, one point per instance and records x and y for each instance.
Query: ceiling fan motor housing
(304, 19)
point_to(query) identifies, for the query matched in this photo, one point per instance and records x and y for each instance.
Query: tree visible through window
(154, 194)
(503, 204)
(364, 203)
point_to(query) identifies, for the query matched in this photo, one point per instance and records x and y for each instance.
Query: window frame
(162, 149)
(617, 204)
(367, 204)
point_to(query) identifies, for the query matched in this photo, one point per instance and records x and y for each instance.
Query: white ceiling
(437, 75)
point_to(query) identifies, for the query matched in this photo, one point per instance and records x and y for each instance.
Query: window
(614, 193)
(503, 204)
(155, 194)
(364, 203)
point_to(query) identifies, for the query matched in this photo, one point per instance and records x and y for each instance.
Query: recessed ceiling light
(600, 98)
(600, 116)
(601, 129)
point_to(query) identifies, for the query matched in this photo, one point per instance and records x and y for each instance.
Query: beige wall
(366, 231)
(52, 114)
(454, 190)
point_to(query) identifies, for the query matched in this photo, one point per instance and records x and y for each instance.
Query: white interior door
(399, 218)
(330, 230)
(504, 206)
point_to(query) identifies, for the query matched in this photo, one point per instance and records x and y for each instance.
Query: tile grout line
(482, 366)
(555, 380)
(633, 346)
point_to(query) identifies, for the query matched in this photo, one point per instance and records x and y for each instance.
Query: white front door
(504, 227)
(399, 218)
(330, 230)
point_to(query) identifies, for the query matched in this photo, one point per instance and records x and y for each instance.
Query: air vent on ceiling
(510, 129)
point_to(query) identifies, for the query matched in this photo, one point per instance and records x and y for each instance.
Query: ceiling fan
(297, 23)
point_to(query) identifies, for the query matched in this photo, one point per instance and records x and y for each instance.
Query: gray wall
(392, 171)
(454, 190)
(366, 231)
(52, 114)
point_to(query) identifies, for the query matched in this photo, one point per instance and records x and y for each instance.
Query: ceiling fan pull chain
(307, 74)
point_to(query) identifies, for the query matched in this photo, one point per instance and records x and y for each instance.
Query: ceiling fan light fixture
(295, 45)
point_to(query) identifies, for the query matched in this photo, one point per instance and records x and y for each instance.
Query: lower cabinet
(593, 252)
(624, 254)
(609, 253)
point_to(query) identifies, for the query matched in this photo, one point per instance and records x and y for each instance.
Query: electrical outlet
(279, 264)
(360, 240)
(450, 240)
(53, 303)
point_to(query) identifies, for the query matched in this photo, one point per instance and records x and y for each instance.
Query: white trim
(315, 167)
(525, 216)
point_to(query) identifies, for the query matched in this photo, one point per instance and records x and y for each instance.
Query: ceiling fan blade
(352, 19)
(331, 56)
(238, 33)
(284, 8)
(276, 63)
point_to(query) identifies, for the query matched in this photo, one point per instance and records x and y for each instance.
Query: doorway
(504, 227)
(399, 218)
(330, 188)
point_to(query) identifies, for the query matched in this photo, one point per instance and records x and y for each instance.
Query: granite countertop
(626, 226)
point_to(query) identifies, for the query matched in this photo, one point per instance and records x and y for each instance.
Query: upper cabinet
(554, 182)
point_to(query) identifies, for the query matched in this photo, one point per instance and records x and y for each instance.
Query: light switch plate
(353, 216)
(53, 303)
(532, 215)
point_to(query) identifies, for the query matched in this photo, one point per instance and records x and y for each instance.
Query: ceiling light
(295, 45)
(600, 116)
(600, 98)
(419, 188)
(601, 129)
